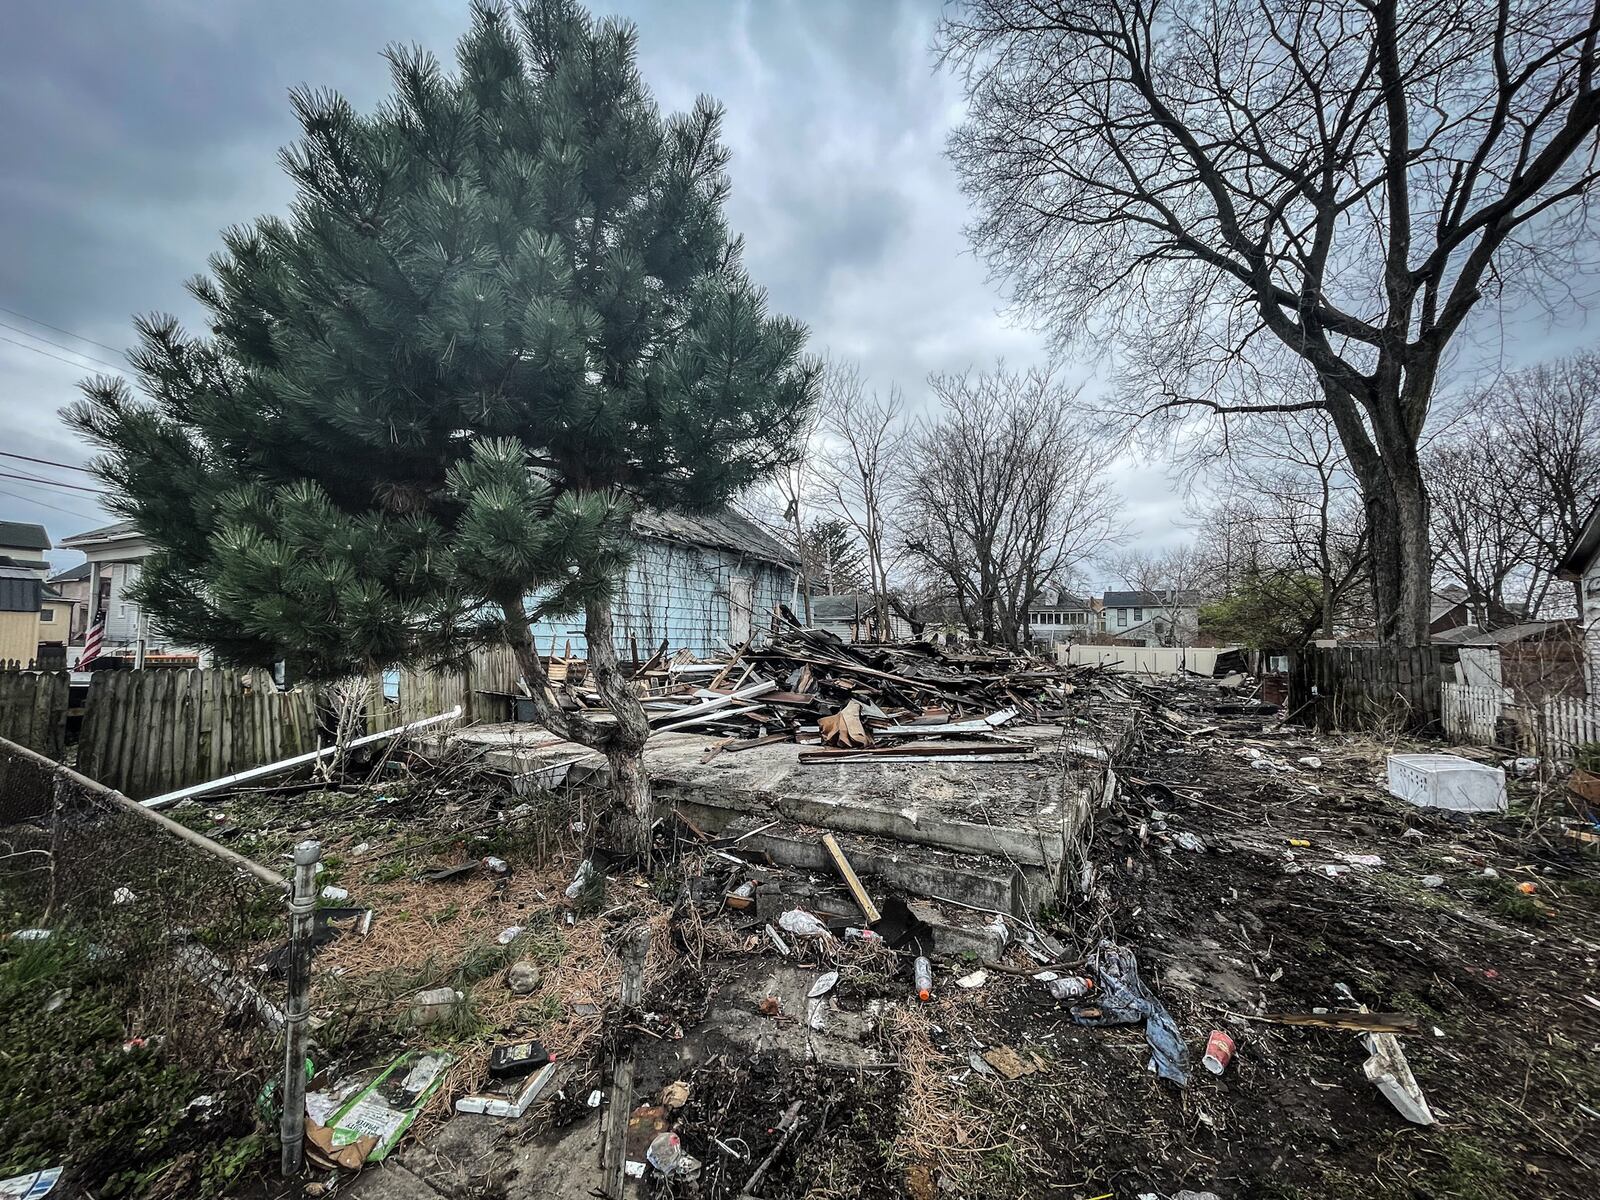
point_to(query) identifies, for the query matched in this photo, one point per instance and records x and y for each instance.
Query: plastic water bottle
(922, 974)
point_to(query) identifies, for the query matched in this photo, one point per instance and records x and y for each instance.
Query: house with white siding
(1582, 566)
(116, 555)
(1064, 617)
(1167, 617)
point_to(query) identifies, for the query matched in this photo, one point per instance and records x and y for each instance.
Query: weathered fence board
(1561, 724)
(33, 709)
(1471, 714)
(428, 693)
(148, 732)
(1366, 687)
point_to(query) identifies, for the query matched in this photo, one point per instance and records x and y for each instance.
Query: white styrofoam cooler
(1447, 781)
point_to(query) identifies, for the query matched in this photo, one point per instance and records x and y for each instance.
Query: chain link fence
(196, 935)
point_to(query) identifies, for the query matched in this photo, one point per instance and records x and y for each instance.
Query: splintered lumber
(1364, 1022)
(869, 910)
(844, 727)
(922, 752)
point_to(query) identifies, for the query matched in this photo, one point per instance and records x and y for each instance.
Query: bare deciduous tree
(857, 473)
(1175, 578)
(1197, 182)
(1513, 481)
(1288, 510)
(1004, 491)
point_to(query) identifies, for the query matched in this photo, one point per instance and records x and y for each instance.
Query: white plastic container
(1447, 781)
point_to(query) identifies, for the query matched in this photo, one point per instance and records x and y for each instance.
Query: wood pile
(850, 702)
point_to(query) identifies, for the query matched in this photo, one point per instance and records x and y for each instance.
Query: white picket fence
(1563, 723)
(1552, 727)
(1470, 713)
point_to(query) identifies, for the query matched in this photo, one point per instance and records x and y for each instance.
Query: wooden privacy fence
(149, 732)
(427, 693)
(1366, 687)
(33, 710)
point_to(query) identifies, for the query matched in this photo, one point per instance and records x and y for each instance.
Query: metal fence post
(302, 904)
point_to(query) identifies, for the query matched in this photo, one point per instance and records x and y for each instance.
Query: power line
(58, 329)
(53, 483)
(40, 338)
(53, 508)
(46, 353)
(45, 462)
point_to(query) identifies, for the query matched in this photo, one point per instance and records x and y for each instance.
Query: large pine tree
(505, 309)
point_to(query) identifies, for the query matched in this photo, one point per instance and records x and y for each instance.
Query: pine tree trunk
(630, 790)
(621, 741)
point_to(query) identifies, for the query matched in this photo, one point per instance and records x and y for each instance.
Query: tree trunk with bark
(621, 740)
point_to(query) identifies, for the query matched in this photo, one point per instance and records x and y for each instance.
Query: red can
(1219, 1050)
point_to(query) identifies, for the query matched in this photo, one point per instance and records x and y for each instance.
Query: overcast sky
(136, 129)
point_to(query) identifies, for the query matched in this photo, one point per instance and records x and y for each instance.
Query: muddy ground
(896, 1096)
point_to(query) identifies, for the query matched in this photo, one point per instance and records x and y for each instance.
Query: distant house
(21, 597)
(1528, 660)
(23, 547)
(1582, 566)
(72, 586)
(698, 582)
(1450, 608)
(1064, 617)
(1168, 617)
(116, 555)
(851, 617)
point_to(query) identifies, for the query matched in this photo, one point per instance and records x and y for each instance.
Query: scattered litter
(511, 1106)
(1219, 1052)
(496, 866)
(1334, 870)
(57, 999)
(435, 1004)
(1008, 1062)
(508, 935)
(1123, 999)
(975, 1061)
(30, 1186)
(1387, 1067)
(447, 874)
(594, 1099)
(516, 1059)
(1527, 887)
(1192, 842)
(802, 924)
(665, 1152)
(922, 978)
(30, 935)
(825, 983)
(1433, 881)
(817, 1014)
(1068, 987)
(974, 980)
(1362, 860)
(330, 892)
(741, 896)
(675, 1095)
(523, 977)
(384, 1109)
(783, 946)
(634, 1170)
(123, 895)
(1312, 761)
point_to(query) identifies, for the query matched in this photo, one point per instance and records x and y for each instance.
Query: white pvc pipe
(201, 789)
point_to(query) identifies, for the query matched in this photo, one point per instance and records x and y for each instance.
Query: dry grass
(427, 935)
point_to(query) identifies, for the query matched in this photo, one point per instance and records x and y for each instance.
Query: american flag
(91, 646)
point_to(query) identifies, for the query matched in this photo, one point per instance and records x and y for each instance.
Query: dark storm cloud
(136, 131)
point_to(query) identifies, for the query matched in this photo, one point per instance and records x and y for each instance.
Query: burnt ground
(1505, 985)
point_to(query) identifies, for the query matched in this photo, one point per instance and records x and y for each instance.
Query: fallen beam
(869, 910)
